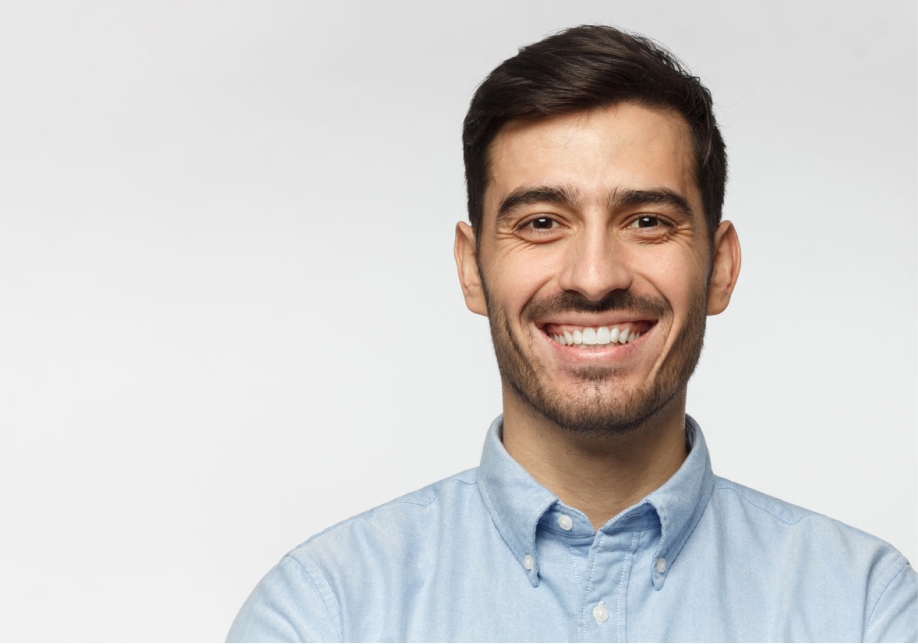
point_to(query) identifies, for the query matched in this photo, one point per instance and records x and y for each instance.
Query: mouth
(583, 337)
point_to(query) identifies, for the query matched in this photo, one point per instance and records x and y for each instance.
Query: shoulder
(757, 503)
(787, 540)
(746, 508)
(300, 599)
(444, 490)
(407, 517)
(762, 508)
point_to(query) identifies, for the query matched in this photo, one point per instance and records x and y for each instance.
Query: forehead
(594, 153)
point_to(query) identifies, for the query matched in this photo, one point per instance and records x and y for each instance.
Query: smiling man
(595, 174)
(596, 268)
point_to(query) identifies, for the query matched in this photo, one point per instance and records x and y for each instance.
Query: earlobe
(466, 255)
(726, 266)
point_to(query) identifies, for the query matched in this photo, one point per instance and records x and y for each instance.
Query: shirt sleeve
(895, 616)
(288, 606)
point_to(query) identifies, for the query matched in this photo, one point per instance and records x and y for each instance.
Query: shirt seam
(434, 498)
(644, 527)
(589, 587)
(688, 528)
(903, 566)
(761, 507)
(567, 536)
(806, 514)
(627, 564)
(495, 516)
(574, 562)
(398, 501)
(310, 569)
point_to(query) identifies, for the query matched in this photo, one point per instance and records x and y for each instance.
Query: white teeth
(589, 336)
(602, 335)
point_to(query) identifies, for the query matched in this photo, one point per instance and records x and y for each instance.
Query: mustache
(571, 301)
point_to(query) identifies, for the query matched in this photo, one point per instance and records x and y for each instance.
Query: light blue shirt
(489, 554)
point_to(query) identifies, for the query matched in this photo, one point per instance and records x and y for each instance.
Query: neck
(598, 475)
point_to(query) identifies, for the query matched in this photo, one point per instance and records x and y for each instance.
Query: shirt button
(528, 562)
(600, 614)
(565, 522)
(661, 565)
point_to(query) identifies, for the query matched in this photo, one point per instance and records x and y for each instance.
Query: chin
(594, 410)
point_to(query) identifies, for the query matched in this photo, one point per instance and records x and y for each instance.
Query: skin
(595, 219)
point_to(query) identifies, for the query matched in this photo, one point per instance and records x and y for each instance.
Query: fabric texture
(491, 555)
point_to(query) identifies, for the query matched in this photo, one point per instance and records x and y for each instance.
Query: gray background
(229, 316)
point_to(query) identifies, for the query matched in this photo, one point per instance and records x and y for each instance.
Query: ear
(467, 264)
(725, 271)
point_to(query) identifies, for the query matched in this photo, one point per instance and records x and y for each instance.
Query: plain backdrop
(229, 315)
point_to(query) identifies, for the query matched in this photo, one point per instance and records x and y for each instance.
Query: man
(595, 174)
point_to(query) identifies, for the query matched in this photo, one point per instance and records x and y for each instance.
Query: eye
(540, 229)
(542, 223)
(646, 221)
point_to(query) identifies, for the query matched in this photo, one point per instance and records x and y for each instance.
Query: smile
(594, 336)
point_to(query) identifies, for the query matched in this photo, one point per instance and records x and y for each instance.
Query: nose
(596, 264)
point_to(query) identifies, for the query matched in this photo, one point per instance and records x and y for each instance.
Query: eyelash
(660, 221)
(661, 228)
(531, 222)
(634, 223)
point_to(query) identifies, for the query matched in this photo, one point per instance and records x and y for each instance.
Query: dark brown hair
(583, 68)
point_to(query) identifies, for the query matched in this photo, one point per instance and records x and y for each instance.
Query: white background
(229, 316)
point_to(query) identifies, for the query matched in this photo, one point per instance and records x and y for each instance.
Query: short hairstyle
(588, 67)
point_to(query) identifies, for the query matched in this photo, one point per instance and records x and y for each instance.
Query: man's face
(593, 262)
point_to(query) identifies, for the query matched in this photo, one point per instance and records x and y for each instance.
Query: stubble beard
(601, 406)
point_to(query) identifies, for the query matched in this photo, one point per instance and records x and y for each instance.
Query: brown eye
(541, 229)
(647, 221)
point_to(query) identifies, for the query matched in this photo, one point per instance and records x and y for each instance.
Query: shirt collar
(680, 502)
(514, 499)
(516, 502)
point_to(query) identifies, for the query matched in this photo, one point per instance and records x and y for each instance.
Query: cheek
(518, 272)
(679, 277)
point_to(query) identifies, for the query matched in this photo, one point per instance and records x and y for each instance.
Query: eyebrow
(565, 196)
(655, 196)
(557, 195)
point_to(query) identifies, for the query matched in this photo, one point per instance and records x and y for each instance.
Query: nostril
(595, 280)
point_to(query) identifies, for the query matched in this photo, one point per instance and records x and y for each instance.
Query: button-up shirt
(489, 554)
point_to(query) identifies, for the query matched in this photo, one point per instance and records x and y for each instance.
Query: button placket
(610, 574)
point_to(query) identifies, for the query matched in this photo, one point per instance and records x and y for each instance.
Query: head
(596, 179)
(580, 69)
